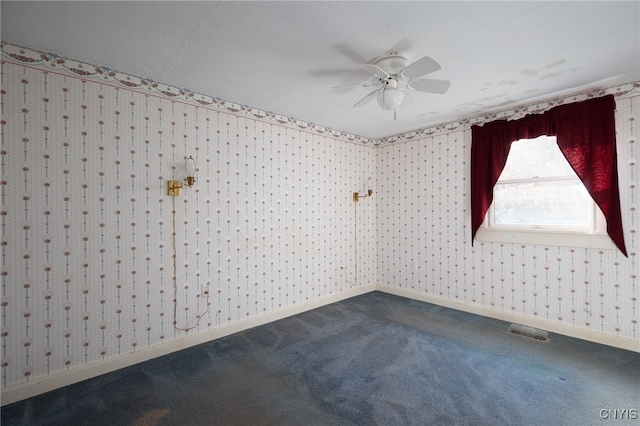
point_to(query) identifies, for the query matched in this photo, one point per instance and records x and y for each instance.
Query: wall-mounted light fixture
(190, 170)
(357, 196)
(174, 186)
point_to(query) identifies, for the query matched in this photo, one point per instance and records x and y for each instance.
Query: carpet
(375, 359)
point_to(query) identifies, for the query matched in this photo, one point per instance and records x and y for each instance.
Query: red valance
(586, 135)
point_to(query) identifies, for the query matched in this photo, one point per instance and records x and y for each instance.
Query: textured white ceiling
(285, 57)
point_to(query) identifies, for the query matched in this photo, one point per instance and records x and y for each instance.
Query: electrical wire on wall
(356, 197)
(175, 281)
(355, 242)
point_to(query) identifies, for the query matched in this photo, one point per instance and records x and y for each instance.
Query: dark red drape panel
(489, 150)
(585, 133)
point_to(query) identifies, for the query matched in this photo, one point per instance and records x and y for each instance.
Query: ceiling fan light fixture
(394, 75)
(390, 99)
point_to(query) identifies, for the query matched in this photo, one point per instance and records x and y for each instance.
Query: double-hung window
(539, 199)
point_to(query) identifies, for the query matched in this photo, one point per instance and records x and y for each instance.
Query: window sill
(545, 238)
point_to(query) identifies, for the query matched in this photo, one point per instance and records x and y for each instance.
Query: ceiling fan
(396, 75)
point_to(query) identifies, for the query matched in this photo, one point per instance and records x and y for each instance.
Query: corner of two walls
(270, 229)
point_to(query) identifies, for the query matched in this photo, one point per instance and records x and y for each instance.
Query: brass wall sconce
(357, 195)
(173, 186)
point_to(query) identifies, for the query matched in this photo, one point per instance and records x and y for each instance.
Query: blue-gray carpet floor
(375, 359)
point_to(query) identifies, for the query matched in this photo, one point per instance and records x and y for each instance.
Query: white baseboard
(58, 380)
(45, 384)
(566, 330)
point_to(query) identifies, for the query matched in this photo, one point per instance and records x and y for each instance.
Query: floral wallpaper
(87, 225)
(424, 236)
(87, 236)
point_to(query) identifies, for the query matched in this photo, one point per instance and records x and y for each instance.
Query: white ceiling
(286, 57)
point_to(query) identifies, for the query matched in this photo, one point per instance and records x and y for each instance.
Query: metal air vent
(529, 332)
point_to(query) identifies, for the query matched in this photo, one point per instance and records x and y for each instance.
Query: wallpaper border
(14, 53)
(39, 59)
(510, 114)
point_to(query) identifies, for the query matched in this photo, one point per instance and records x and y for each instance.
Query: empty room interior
(320, 213)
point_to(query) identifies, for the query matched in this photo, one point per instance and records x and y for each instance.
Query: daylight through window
(538, 196)
(538, 189)
(539, 199)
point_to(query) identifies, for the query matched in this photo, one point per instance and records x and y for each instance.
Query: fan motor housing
(392, 64)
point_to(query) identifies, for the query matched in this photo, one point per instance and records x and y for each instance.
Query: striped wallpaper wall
(424, 242)
(87, 225)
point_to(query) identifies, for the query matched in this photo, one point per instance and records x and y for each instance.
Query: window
(538, 198)
(585, 134)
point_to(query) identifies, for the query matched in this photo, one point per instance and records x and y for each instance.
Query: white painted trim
(45, 384)
(58, 380)
(564, 329)
(545, 238)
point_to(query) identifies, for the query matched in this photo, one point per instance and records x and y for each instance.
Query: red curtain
(586, 135)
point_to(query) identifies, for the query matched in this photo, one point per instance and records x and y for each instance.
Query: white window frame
(592, 236)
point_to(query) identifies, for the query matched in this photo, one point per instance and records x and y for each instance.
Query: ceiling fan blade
(376, 70)
(351, 86)
(430, 86)
(366, 98)
(347, 86)
(419, 68)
